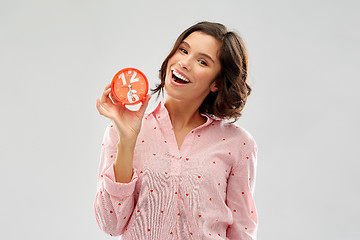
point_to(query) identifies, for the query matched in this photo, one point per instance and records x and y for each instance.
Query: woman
(182, 171)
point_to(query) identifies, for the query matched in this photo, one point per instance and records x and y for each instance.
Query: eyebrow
(202, 54)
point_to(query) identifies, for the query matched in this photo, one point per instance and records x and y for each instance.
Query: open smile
(178, 77)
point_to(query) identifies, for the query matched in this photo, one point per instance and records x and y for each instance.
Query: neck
(183, 116)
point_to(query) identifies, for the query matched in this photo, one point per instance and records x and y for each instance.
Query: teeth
(180, 76)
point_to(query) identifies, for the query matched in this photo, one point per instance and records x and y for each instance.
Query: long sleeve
(204, 190)
(240, 190)
(114, 202)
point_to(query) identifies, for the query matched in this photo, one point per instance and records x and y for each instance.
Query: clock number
(133, 79)
(122, 76)
(132, 97)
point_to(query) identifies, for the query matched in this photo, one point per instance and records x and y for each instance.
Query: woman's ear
(213, 87)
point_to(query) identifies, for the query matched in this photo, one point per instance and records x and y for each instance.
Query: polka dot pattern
(212, 173)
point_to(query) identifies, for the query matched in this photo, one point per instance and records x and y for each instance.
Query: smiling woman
(232, 89)
(182, 171)
(191, 71)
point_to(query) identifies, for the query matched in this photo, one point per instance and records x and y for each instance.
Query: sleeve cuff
(119, 189)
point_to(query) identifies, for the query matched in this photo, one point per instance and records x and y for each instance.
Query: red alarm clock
(129, 86)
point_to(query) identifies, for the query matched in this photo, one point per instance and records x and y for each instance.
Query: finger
(114, 99)
(98, 106)
(100, 109)
(105, 95)
(107, 86)
(107, 106)
(144, 105)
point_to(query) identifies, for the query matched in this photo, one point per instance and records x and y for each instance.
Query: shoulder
(234, 131)
(238, 139)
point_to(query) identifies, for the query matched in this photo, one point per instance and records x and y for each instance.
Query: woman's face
(192, 69)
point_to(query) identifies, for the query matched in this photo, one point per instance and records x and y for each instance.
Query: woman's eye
(202, 62)
(183, 50)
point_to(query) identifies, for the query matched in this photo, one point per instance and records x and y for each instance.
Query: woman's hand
(128, 123)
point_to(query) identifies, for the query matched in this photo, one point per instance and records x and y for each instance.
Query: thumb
(144, 105)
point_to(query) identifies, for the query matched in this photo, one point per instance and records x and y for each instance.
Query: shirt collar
(160, 111)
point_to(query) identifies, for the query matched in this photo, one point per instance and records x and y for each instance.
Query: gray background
(57, 56)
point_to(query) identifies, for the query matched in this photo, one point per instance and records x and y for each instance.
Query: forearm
(123, 166)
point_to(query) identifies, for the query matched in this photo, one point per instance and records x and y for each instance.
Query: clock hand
(130, 92)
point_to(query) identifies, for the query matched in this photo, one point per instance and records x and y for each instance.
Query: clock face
(129, 86)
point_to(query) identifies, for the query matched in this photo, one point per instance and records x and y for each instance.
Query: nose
(184, 63)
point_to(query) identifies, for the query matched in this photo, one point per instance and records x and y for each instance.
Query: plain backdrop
(57, 56)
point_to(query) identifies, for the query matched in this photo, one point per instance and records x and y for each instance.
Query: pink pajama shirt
(202, 191)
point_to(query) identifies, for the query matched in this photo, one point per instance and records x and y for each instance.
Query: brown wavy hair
(233, 90)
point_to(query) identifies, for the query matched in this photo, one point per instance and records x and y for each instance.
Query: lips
(180, 75)
(178, 78)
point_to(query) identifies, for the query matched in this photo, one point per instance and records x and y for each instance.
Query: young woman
(182, 171)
